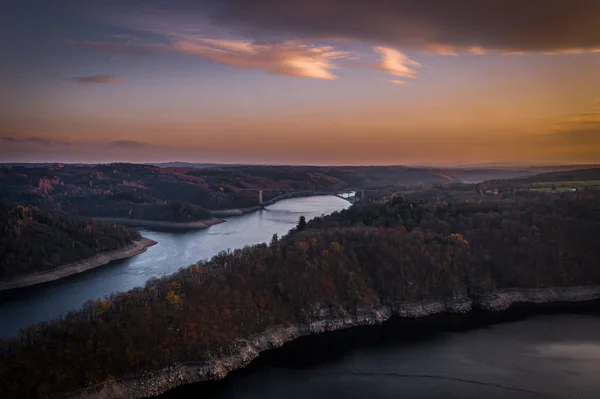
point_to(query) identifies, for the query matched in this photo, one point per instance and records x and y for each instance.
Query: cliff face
(244, 351)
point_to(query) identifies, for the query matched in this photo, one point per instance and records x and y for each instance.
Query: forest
(183, 194)
(187, 194)
(33, 240)
(402, 250)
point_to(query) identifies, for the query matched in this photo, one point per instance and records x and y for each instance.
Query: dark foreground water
(19, 308)
(549, 356)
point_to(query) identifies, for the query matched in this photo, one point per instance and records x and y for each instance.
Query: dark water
(174, 250)
(550, 356)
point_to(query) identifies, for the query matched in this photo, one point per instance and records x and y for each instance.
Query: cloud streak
(35, 140)
(508, 25)
(98, 79)
(287, 58)
(397, 64)
(127, 144)
(124, 49)
(580, 131)
(392, 27)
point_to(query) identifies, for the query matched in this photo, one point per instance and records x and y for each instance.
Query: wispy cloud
(476, 50)
(588, 120)
(393, 27)
(580, 131)
(35, 140)
(125, 49)
(509, 26)
(450, 49)
(127, 144)
(396, 63)
(441, 49)
(30, 139)
(98, 79)
(287, 58)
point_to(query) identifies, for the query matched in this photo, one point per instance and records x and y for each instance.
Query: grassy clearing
(568, 184)
(549, 189)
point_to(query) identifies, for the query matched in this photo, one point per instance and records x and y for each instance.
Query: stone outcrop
(244, 351)
(158, 224)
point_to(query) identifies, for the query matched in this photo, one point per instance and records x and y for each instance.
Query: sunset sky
(300, 82)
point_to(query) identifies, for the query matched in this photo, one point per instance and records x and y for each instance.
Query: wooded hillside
(401, 251)
(33, 240)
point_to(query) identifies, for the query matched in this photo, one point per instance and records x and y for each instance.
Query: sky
(336, 82)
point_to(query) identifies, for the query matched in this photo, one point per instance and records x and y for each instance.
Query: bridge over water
(346, 194)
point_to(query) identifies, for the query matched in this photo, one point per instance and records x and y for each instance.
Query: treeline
(401, 251)
(135, 205)
(182, 194)
(33, 240)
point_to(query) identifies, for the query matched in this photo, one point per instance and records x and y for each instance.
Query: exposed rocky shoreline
(101, 259)
(242, 211)
(235, 211)
(157, 224)
(244, 351)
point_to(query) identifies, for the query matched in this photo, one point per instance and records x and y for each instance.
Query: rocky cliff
(244, 351)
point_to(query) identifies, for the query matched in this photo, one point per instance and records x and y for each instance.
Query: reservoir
(22, 307)
(554, 356)
(547, 356)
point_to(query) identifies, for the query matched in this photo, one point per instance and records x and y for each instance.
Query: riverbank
(81, 266)
(157, 224)
(244, 351)
(243, 211)
(234, 212)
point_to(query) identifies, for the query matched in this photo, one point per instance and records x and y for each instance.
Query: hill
(359, 261)
(182, 195)
(33, 240)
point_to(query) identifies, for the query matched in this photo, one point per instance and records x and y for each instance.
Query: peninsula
(38, 246)
(397, 258)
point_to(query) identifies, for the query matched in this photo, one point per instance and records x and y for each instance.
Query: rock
(242, 352)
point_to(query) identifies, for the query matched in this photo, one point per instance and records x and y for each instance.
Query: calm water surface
(173, 251)
(552, 356)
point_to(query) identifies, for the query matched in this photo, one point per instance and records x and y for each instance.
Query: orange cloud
(396, 63)
(476, 50)
(441, 49)
(288, 58)
(450, 49)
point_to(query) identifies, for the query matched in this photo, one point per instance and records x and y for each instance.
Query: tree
(301, 224)
(274, 241)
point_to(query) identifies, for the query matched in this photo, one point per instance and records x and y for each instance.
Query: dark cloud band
(504, 25)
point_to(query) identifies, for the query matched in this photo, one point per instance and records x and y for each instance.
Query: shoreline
(234, 211)
(100, 259)
(250, 209)
(198, 224)
(244, 351)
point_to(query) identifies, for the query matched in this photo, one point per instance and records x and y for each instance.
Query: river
(174, 250)
(547, 356)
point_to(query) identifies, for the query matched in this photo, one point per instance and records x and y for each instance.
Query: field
(573, 183)
(562, 186)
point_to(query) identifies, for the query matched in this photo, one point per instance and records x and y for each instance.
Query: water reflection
(534, 358)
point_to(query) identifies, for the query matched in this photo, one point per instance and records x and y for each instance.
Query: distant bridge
(347, 194)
